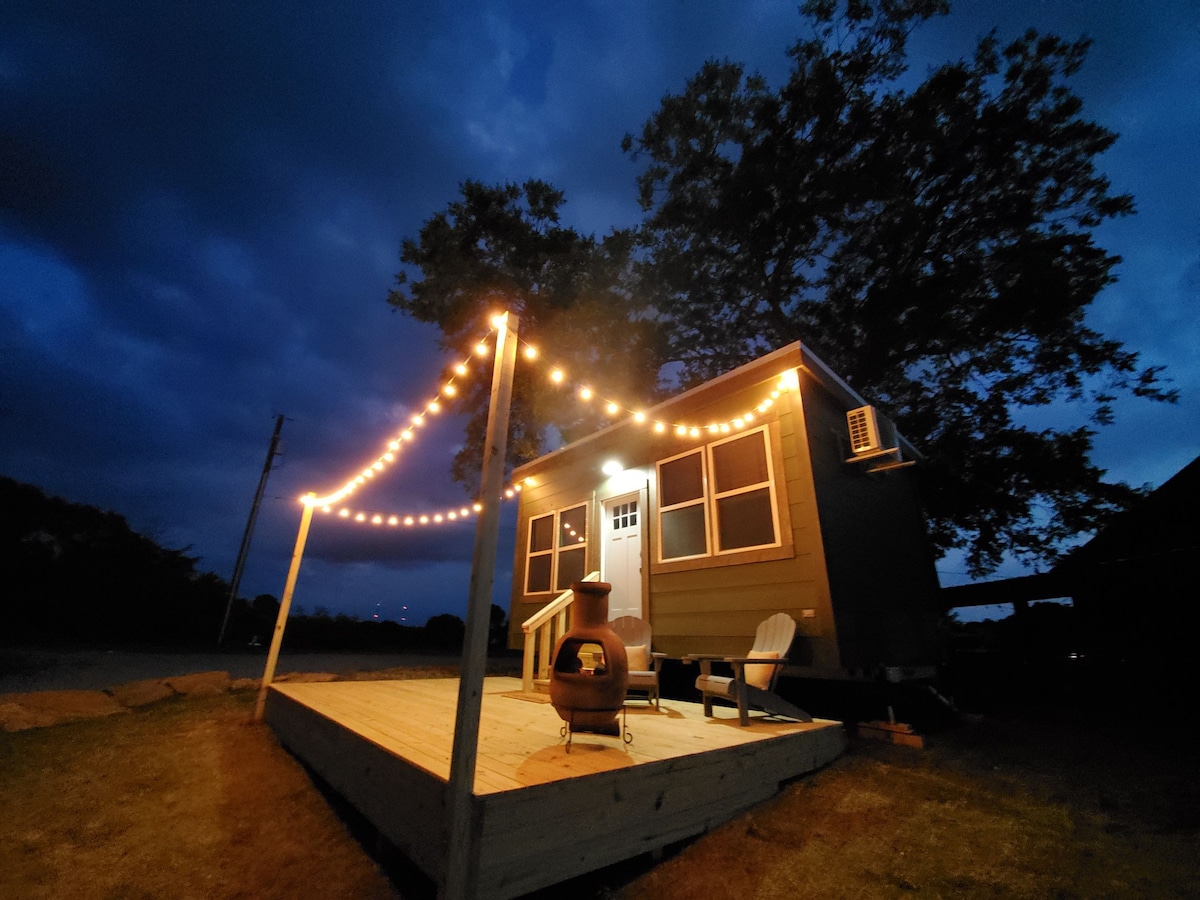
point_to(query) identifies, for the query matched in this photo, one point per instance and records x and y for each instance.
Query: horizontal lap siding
(717, 610)
(566, 483)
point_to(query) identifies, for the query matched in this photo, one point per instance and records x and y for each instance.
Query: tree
(445, 631)
(934, 245)
(503, 247)
(72, 571)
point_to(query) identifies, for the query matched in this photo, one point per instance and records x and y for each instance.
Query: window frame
(531, 554)
(557, 546)
(714, 555)
(715, 496)
(701, 501)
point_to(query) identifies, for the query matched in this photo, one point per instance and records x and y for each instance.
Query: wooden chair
(754, 675)
(643, 661)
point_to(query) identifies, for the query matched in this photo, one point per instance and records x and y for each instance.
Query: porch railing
(541, 630)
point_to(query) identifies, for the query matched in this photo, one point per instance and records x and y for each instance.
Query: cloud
(201, 207)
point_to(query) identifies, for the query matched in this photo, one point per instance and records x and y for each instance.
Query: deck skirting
(542, 814)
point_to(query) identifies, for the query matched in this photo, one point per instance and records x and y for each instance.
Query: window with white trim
(718, 499)
(557, 550)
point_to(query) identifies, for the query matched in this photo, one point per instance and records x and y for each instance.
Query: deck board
(544, 814)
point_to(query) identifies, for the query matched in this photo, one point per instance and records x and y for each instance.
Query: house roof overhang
(765, 368)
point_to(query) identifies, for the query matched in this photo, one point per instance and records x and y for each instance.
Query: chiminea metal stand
(626, 735)
(589, 672)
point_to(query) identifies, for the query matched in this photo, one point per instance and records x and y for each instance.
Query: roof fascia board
(790, 356)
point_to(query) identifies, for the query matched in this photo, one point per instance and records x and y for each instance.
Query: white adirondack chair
(636, 635)
(754, 675)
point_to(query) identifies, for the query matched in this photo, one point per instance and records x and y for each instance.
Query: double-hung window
(557, 550)
(718, 499)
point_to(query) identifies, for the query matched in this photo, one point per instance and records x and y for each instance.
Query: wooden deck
(542, 814)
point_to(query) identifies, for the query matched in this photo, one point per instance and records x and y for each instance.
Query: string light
(451, 515)
(788, 381)
(448, 389)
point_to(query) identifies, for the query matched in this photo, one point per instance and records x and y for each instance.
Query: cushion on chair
(718, 685)
(760, 676)
(643, 680)
(638, 656)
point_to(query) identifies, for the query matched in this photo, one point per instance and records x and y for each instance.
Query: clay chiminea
(589, 673)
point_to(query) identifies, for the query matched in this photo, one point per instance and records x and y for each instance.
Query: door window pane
(624, 515)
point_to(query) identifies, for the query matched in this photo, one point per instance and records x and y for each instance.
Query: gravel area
(27, 669)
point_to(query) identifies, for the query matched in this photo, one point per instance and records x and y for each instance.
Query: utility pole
(248, 533)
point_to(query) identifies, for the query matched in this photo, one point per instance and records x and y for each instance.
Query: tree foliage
(934, 244)
(504, 247)
(74, 572)
(932, 240)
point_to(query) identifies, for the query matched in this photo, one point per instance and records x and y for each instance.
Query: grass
(187, 798)
(1018, 807)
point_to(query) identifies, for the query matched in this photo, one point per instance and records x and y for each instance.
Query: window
(557, 555)
(718, 499)
(571, 553)
(681, 507)
(625, 515)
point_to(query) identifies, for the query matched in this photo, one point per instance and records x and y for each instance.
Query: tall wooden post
(462, 857)
(284, 605)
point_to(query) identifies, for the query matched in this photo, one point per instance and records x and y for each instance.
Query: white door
(621, 563)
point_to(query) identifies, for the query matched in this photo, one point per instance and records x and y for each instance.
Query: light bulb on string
(786, 381)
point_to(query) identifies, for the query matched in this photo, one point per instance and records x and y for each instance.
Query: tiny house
(774, 487)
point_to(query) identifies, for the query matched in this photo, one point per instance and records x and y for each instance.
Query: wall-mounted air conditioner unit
(864, 430)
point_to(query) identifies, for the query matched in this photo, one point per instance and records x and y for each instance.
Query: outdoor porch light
(612, 467)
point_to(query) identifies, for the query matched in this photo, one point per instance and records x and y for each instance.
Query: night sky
(201, 208)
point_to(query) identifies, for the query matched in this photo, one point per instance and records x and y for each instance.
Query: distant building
(1133, 585)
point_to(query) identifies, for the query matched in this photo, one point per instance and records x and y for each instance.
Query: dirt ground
(185, 798)
(49, 669)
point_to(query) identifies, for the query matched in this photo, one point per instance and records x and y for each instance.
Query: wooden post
(462, 856)
(527, 663)
(284, 605)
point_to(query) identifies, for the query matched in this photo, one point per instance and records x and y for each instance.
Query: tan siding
(782, 571)
(717, 610)
(762, 600)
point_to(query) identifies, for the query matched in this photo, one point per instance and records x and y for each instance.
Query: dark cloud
(201, 207)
